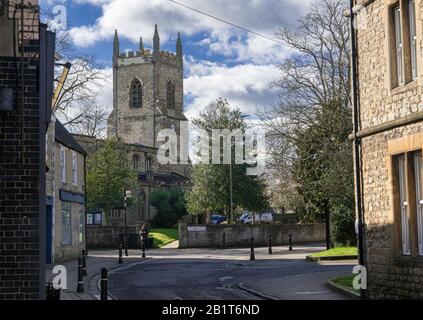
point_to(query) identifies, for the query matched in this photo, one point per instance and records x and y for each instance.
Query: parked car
(218, 219)
(247, 218)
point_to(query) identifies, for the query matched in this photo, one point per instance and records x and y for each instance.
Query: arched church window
(136, 162)
(135, 100)
(170, 94)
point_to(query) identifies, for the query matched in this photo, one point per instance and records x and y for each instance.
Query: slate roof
(65, 138)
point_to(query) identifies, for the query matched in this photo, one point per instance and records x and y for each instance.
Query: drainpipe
(357, 140)
(85, 203)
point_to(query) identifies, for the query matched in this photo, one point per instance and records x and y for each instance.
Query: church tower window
(170, 94)
(135, 100)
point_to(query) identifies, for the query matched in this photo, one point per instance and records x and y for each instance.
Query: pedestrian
(143, 237)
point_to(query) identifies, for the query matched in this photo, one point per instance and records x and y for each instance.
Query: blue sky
(220, 60)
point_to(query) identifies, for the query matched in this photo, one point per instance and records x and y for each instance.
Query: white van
(247, 218)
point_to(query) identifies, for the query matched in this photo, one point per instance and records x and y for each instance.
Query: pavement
(209, 274)
(96, 260)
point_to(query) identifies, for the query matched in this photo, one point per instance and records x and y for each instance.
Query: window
(94, 218)
(408, 186)
(74, 168)
(63, 163)
(149, 164)
(400, 168)
(66, 224)
(81, 226)
(403, 43)
(170, 94)
(398, 45)
(115, 213)
(413, 37)
(135, 99)
(418, 166)
(136, 162)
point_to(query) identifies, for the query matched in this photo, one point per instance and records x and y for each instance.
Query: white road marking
(311, 292)
(225, 278)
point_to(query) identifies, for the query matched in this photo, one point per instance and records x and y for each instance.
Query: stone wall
(99, 237)
(390, 275)
(381, 101)
(217, 236)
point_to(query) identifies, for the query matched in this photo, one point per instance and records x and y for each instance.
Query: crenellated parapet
(147, 55)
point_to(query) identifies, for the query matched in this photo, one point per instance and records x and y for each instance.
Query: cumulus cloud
(133, 18)
(246, 86)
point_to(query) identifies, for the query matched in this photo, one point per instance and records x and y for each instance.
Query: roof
(65, 138)
(167, 178)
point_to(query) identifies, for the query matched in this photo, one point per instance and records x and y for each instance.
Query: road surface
(202, 274)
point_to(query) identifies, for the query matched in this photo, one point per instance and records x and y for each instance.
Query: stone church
(147, 97)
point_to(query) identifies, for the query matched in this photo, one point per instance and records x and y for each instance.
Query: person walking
(144, 238)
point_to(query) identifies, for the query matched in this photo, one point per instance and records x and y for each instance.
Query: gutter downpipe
(85, 203)
(357, 141)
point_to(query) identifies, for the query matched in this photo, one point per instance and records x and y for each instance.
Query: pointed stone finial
(141, 46)
(116, 46)
(179, 46)
(156, 41)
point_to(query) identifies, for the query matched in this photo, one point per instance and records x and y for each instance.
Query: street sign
(197, 229)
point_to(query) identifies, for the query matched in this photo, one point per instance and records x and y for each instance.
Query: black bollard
(270, 243)
(80, 286)
(103, 282)
(84, 265)
(223, 240)
(252, 255)
(290, 242)
(120, 252)
(126, 245)
(143, 247)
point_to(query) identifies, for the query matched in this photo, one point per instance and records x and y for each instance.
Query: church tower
(147, 92)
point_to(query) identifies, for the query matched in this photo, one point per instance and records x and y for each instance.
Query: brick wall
(19, 187)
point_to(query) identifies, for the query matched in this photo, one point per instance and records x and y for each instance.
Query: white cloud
(252, 48)
(246, 86)
(134, 18)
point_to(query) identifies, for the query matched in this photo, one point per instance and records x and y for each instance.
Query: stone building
(147, 97)
(390, 96)
(65, 191)
(25, 100)
(147, 92)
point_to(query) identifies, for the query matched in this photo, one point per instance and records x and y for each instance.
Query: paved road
(217, 274)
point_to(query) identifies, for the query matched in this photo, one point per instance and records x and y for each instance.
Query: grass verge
(163, 236)
(346, 282)
(336, 252)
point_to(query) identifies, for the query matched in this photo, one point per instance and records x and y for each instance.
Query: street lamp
(127, 194)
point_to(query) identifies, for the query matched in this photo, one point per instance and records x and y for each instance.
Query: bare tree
(316, 74)
(77, 106)
(91, 121)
